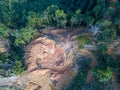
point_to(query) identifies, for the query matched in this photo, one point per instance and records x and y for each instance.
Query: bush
(104, 24)
(33, 20)
(18, 68)
(52, 16)
(102, 48)
(38, 21)
(103, 74)
(4, 31)
(82, 40)
(60, 18)
(89, 20)
(77, 18)
(97, 11)
(108, 35)
(24, 35)
(4, 57)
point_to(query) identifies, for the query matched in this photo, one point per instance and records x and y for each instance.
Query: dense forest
(23, 20)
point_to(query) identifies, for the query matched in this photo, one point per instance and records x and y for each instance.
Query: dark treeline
(19, 13)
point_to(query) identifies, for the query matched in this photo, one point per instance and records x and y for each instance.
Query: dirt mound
(46, 54)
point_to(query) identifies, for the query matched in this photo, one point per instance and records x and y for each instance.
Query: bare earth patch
(51, 61)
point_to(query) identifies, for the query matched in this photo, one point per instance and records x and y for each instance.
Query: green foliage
(107, 34)
(97, 11)
(83, 4)
(82, 40)
(12, 13)
(101, 2)
(52, 16)
(109, 12)
(6, 11)
(38, 21)
(103, 72)
(104, 75)
(102, 48)
(105, 23)
(60, 18)
(18, 68)
(50, 11)
(32, 19)
(69, 5)
(77, 18)
(104, 59)
(9, 62)
(89, 20)
(115, 65)
(24, 35)
(91, 4)
(107, 30)
(4, 57)
(4, 31)
(16, 56)
(78, 82)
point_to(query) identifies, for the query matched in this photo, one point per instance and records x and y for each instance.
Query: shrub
(103, 74)
(77, 18)
(108, 35)
(97, 11)
(4, 31)
(32, 20)
(82, 40)
(104, 24)
(60, 18)
(50, 12)
(4, 57)
(102, 48)
(38, 20)
(89, 20)
(18, 68)
(24, 35)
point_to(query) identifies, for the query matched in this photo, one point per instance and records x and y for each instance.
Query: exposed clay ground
(51, 61)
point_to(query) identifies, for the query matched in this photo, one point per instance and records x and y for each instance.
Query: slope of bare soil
(50, 61)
